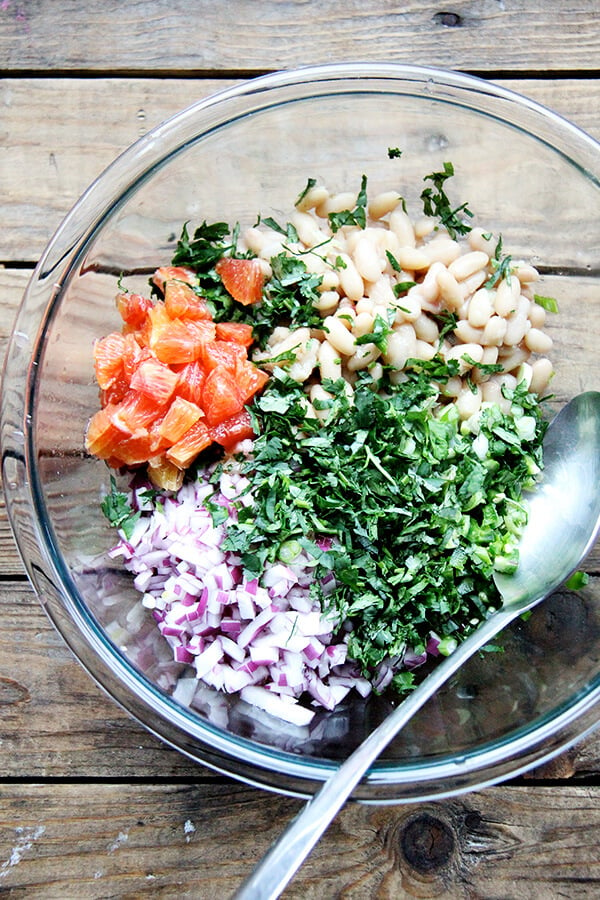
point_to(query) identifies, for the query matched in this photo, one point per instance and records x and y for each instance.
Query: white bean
(424, 226)
(467, 334)
(425, 350)
(442, 249)
(480, 308)
(526, 273)
(538, 341)
(429, 287)
(468, 264)
(350, 280)
(413, 259)
(479, 239)
(327, 302)
(401, 345)
(336, 203)
(494, 332)
(541, 373)
(363, 357)
(507, 294)
(367, 260)
(329, 361)
(426, 329)
(363, 324)
(402, 226)
(473, 352)
(449, 290)
(339, 336)
(408, 308)
(314, 196)
(537, 315)
(384, 203)
(468, 402)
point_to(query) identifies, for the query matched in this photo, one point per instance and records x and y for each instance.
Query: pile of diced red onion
(268, 641)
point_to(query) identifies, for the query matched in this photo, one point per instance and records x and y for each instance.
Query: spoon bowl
(563, 523)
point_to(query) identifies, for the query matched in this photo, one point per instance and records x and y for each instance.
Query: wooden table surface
(91, 805)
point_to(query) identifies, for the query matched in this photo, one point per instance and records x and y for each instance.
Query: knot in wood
(427, 844)
(448, 19)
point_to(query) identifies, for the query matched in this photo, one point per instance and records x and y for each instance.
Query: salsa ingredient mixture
(324, 428)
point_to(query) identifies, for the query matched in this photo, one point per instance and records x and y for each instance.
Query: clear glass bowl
(526, 173)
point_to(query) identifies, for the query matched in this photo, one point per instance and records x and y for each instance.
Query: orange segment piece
(187, 448)
(178, 419)
(242, 278)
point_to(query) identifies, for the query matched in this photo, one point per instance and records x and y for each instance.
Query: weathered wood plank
(57, 723)
(186, 840)
(148, 36)
(63, 155)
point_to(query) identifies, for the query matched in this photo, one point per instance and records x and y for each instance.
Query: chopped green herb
(577, 580)
(117, 510)
(310, 184)
(356, 216)
(549, 303)
(436, 203)
(414, 521)
(402, 287)
(394, 153)
(502, 266)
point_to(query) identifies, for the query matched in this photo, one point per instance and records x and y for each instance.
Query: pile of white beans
(495, 325)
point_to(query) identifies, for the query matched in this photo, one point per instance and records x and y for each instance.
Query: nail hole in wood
(448, 19)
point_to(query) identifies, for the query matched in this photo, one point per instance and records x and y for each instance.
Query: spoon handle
(286, 855)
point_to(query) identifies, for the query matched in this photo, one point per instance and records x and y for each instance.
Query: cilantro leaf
(436, 203)
(357, 216)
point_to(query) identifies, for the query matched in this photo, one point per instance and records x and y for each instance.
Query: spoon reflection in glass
(563, 523)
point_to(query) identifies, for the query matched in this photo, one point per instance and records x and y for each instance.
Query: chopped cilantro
(417, 520)
(310, 184)
(436, 203)
(356, 216)
(502, 266)
(394, 153)
(117, 510)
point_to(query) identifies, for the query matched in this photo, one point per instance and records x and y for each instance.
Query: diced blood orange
(133, 308)
(233, 430)
(133, 355)
(173, 273)
(165, 474)
(115, 393)
(181, 341)
(242, 278)
(190, 377)
(108, 359)
(156, 380)
(249, 380)
(102, 436)
(178, 419)
(135, 413)
(181, 302)
(222, 353)
(220, 397)
(134, 451)
(187, 448)
(157, 321)
(235, 332)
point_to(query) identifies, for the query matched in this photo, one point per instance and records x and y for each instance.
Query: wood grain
(100, 117)
(56, 723)
(187, 840)
(155, 36)
(117, 813)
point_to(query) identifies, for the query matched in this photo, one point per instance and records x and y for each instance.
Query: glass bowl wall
(526, 174)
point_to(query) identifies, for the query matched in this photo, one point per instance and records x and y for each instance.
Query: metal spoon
(563, 523)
